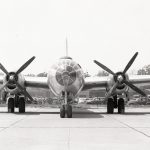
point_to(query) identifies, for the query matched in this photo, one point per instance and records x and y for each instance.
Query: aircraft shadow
(87, 114)
(83, 113)
(75, 114)
(135, 113)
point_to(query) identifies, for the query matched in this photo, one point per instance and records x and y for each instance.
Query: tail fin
(66, 46)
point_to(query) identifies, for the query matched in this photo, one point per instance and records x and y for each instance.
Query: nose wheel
(69, 111)
(66, 109)
(62, 111)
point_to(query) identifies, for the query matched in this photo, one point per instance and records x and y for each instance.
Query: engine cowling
(11, 86)
(121, 87)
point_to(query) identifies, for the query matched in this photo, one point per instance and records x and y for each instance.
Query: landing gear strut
(115, 101)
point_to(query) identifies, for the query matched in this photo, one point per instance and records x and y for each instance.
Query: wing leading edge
(36, 82)
(140, 79)
(95, 82)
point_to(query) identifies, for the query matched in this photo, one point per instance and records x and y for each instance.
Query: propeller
(104, 67)
(12, 78)
(120, 77)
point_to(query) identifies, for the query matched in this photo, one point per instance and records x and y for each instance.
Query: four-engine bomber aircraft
(66, 79)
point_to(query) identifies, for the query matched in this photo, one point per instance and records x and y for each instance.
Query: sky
(109, 31)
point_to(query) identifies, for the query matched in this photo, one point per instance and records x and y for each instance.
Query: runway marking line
(130, 127)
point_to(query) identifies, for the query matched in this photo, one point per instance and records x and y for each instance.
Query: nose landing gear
(65, 107)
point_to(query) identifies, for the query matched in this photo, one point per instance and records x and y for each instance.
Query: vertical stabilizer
(66, 46)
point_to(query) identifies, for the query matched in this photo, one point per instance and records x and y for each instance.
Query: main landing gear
(16, 101)
(115, 103)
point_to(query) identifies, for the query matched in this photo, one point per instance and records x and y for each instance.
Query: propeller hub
(11, 78)
(120, 78)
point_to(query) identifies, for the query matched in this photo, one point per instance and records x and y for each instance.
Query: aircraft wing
(95, 82)
(140, 79)
(102, 82)
(36, 82)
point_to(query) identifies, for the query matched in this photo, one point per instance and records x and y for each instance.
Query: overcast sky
(110, 31)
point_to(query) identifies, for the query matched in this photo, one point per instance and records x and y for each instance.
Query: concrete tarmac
(91, 129)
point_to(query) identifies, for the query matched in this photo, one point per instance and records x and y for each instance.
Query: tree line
(143, 71)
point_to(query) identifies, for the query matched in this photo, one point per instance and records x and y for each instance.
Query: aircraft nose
(66, 76)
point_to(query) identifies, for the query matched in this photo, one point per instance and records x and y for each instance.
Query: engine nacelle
(11, 87)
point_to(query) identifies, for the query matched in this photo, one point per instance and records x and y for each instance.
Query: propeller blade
(130, 63)
(104, 67)
(111, 90)
(135, 88)
(24, 91)
(25, 65)
(3, 69)
(3, 86)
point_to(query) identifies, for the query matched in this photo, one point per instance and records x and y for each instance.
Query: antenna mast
(66, 46)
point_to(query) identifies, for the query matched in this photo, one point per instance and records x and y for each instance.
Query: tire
(21, 105)
(69, 111)
(110, 106)
(62, 111)
(11, 105)
(121, 106)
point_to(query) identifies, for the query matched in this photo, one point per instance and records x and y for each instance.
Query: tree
(43, 74)
(144, 71)
(86, 74)
(102, 73)
(30, 75)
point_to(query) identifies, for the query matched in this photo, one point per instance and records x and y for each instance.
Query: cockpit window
(66, 75)
(67, 72)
